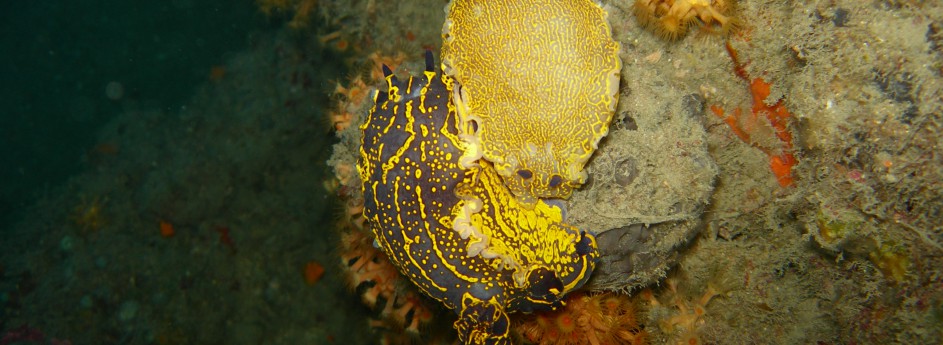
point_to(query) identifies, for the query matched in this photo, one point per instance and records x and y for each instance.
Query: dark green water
(60, 56)
(123, 117)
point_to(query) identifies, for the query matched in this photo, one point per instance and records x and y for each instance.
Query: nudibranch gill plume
(539, 81)
(457, 232)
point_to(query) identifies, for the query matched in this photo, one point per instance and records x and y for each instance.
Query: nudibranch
(458, 233)
(539, 82)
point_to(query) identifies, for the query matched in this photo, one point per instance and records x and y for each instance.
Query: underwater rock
(658, 177)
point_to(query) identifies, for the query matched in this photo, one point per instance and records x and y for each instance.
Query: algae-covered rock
(650, 182)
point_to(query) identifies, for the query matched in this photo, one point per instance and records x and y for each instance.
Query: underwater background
(183, 172)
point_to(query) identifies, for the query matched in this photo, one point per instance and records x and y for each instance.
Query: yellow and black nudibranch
(456, 231)
(540, 79)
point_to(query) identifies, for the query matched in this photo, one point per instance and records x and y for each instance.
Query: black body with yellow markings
(414, 189)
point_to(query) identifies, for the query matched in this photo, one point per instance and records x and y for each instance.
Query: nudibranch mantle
(458, 233)
(539, 79)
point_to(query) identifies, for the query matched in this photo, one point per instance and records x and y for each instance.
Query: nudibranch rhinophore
(539, 82)
(457, 232)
